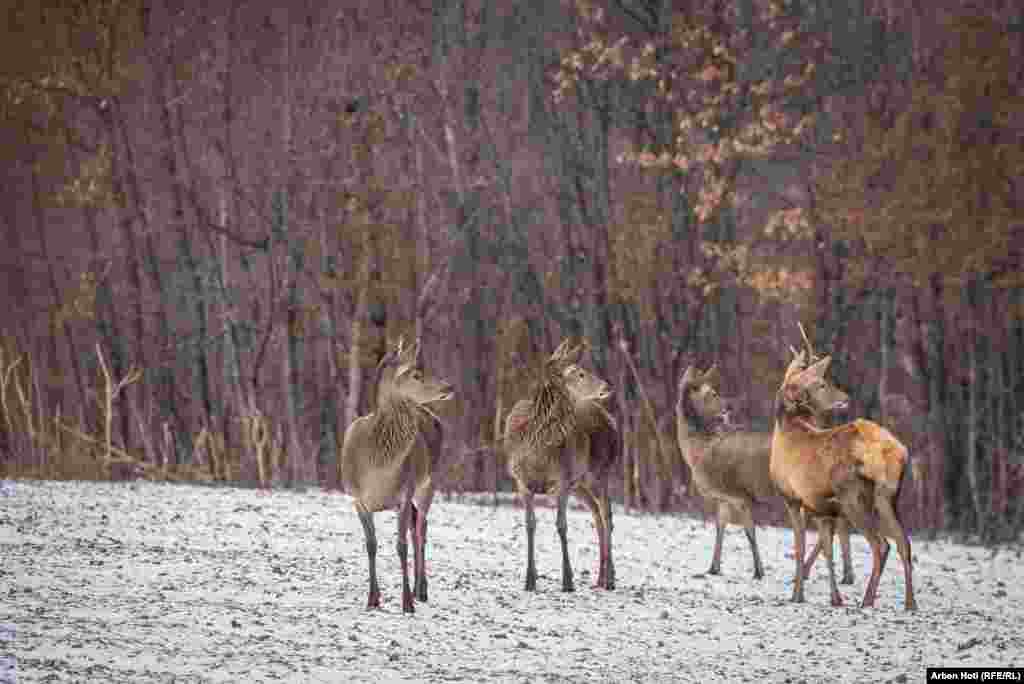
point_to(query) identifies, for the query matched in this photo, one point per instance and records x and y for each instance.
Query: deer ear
(820, 367)
(561, 350)
(389, 355)
(574, 354)
(795, 366)
(711, 375)
(689, 377)
(407, 353)
(791, 392)
(566, 354)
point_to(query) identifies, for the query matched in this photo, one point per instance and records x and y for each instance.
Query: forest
(219, 215)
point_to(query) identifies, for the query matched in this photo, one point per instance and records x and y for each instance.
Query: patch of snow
(150, 582)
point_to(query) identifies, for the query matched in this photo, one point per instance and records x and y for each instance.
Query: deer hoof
(837, 601)
(714, 570)
(911, 605)
(847, 579)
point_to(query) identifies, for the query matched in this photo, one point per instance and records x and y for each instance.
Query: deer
(731, 467)
(389, 459)
(563, 441)
(855, 470)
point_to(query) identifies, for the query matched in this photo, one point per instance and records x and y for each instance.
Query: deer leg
(414, 534)
(796, 519)
(885, 552)
(562, 524)
(420, 553)
(892, 528)
(854, 510)
(588, 497)
(716, 555)
(811, 559)
(825, 532)
(404, 514)
(876, 569)
(752, 538)
(531, 528)
(741, 513)
(606, 509)
(366, 518)
(843, 529)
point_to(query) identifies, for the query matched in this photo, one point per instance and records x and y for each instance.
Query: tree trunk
(885, 343)
(162, 375)
(974, 387)
(172, 130)
(55, 290)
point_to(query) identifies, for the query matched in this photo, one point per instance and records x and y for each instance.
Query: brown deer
(562, 440)
(730, 467)
(854, 470)
(389, 458)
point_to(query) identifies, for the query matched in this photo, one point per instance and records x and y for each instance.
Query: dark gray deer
(731, 467)
(562, 440)
(389, 459)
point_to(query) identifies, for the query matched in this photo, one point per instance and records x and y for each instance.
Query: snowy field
(144, 582)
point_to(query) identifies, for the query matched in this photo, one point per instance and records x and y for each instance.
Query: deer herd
(561, 440)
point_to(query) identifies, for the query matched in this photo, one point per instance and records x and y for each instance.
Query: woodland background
(217, 214)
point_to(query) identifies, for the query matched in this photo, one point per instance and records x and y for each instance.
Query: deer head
(567, 354)
(808, 389)
(698, 395)
(403, 375)
(584, 385)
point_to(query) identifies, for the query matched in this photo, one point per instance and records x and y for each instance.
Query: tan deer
(731, 467)
(389, 459)
(854, 470)
(563, 441)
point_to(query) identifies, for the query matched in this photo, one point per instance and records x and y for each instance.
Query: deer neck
(591, 415)
(796, 422)
(696, 436)
(395, 424)
(554, 415)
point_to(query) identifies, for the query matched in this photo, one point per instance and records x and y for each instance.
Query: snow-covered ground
(146, 582)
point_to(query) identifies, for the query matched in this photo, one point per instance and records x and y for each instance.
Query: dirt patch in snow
(144, 582)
